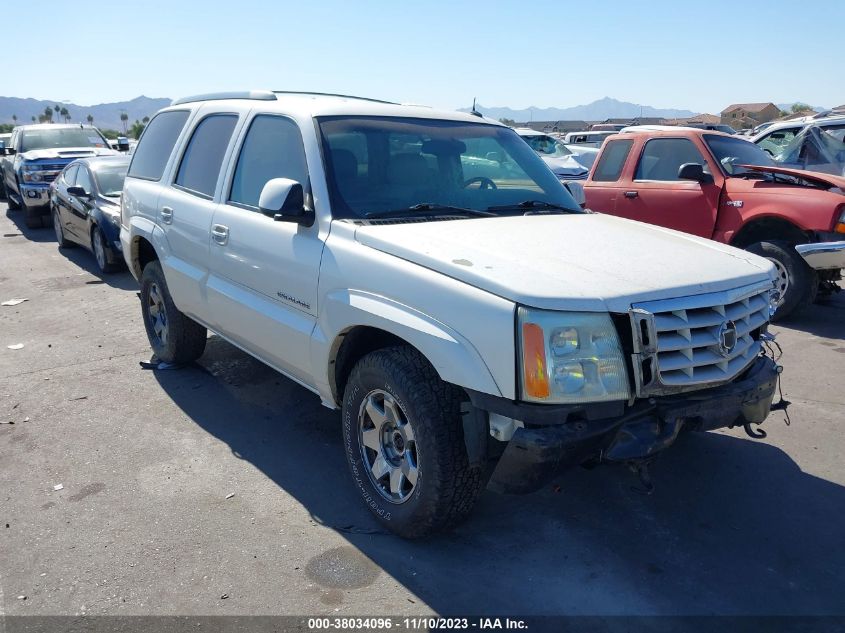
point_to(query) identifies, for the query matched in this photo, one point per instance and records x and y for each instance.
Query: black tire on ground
(446, 486)
(108, 260)
(800, 281)
(3, 195)
(13, 206)
(62, 241)
(176, 338)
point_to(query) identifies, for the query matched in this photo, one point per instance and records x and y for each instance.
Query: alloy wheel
(99, 250)
(57, 227)
(388, 446)
(782, 280)
(158, 313)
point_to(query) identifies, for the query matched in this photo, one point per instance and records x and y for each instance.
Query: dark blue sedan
(85, 205)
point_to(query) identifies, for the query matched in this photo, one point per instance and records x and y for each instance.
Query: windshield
(731, 152)
(547, 146)
(377, 165)
(110, 179)
(48, 138)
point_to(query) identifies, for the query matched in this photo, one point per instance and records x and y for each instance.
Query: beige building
(745, 115)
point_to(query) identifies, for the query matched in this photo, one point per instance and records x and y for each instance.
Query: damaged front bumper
(538, 450)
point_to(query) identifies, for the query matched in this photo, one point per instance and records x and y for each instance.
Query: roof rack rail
(258, 95)
(331, 94)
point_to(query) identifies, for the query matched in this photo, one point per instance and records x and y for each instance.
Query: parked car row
(728, 189)
(35, 156)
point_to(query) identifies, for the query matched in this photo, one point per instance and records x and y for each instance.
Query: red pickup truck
(724, 188)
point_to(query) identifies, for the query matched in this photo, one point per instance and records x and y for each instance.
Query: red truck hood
(813, 176)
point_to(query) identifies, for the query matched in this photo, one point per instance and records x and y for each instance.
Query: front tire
(403, 438)
(107, 259)
(59, 230)
(174, 337)
(13, 206)
(796, 282)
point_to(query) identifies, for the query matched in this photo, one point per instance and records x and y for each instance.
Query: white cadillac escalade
(426, 273)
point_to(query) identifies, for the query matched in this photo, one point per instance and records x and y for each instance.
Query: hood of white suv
(588, 262)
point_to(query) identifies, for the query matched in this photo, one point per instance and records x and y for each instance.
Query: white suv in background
(426, 273)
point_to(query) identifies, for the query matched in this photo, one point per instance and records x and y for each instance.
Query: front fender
(453, 356)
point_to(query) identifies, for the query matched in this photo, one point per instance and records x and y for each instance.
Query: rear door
(262, 287)
(186, 207)
(604, 185)
(656, 195)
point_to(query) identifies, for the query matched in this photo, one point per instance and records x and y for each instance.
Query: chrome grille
(692, 342)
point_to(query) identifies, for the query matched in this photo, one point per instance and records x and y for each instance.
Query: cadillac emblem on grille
(727, 338)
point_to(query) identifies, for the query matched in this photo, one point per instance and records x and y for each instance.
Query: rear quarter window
(611, 161)
(156, 144)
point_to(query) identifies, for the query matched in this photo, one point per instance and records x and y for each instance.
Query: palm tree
(15, 118)
(33, 118)
(48, 114)
(90, 119)
(65, 114)
(124, 118)
(145, 120)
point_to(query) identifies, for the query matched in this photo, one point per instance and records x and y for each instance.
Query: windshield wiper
(430, 209)
(535, 207)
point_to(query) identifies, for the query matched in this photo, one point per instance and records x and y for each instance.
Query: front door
(80, 207)
(656, 195)
(262, 286)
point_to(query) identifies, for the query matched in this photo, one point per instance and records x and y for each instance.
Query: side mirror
(10, 151)
(78, 192)
(694, 171)
(122, 144)
(284, 200)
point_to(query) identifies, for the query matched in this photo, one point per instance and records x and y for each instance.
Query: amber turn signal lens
(534, 361)
(840, 228)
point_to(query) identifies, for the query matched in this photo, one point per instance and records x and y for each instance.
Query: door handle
(220, 233)
(631, 194)
(166, 215)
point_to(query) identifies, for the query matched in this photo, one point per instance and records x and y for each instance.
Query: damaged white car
(428, 275)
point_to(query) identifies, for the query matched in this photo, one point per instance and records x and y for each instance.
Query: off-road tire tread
(458, 483)
(188, 338)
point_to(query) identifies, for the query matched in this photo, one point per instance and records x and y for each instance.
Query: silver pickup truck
(33, 158)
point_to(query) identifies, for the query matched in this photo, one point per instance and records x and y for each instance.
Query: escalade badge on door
(727, 338)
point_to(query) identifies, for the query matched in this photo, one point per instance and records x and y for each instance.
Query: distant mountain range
(106, 115)
(600, 110)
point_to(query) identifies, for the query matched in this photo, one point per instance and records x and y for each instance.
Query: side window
(83, 179)
(70, 175)
(272, 149)
(611, 161)
(203, 157)
(777, 141)
(662, 157)
(156, 144)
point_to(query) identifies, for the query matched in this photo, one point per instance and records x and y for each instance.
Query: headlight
(31, 173)
(570, 357)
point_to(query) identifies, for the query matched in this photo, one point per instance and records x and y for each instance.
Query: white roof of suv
(323, 104)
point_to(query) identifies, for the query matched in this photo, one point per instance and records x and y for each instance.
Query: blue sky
(694, 55)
